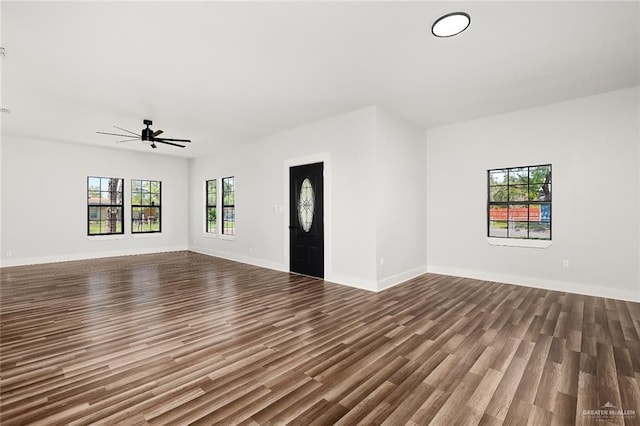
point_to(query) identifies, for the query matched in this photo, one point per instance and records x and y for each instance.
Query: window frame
(146, 206)
(226, 205)
(545, 186)
(208, 206)
(108, 206)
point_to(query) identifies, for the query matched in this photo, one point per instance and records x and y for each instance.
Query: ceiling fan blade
(168, 143)
(157, 132)
(174, 140)
(128, 140)
(114, 134)
(128, 131)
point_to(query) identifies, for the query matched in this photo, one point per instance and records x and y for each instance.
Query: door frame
(325, 158)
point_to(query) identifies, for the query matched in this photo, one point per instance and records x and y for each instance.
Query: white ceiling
(229, 72)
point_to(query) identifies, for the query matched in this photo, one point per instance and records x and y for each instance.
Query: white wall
(347, 142)
(400, 200)
(44, 204)
(371, 158)
(366, 152)
(593, 146)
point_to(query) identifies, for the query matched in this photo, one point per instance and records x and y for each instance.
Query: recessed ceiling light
(451, 24)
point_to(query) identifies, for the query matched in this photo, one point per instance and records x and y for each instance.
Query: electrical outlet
(565, 264)
(382, 261)
(9, 253)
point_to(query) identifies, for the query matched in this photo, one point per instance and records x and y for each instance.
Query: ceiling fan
(147, 135)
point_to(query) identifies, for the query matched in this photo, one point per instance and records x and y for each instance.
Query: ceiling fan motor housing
(147, 134)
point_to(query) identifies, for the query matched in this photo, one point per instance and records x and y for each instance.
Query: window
(228, 206)
(212, 202)
(519, 202)
(104, 206)
(145, 206)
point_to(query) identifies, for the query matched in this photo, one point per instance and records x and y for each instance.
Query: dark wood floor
(184, 338)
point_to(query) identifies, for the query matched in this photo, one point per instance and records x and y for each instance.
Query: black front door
(306, 224)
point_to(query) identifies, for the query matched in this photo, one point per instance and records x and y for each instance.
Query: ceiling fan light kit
(147, 135)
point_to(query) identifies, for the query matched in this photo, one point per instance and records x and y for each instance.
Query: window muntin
(228, 206)
(211, 208)
(146, 206)
(105, 206)
(519, 202)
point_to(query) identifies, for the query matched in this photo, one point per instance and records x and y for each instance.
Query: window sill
(514, 242)
(105, 237)
(227, 237)
(147, 235)
(210, 234)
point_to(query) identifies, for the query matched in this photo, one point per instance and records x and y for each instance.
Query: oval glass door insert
(306, 205)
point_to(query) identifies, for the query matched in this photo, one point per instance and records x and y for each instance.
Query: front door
(306, 223)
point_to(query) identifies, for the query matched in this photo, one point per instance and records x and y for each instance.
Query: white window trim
(146, 235)
(517, 242)
(105, 237)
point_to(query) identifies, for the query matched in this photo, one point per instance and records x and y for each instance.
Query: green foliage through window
(228, 206)
(145, 206)
(519, 202)
(105, 206)
(212, 201)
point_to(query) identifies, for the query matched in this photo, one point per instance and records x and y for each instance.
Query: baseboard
(400, 278)
(350, 281)
(563, 286)
(238, 258)
(341, 279)
(86, 256)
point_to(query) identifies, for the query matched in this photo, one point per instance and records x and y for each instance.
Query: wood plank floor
(183, 338)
